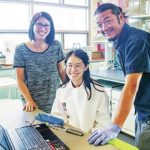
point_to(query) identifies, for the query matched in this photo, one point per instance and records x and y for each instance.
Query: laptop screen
(3, 139)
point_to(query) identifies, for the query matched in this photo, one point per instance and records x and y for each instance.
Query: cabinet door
(7, 88)
(129, 125)
(7, 72)
(108, 91)
(9, 92)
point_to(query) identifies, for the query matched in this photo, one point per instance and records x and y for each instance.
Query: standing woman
(39, 64)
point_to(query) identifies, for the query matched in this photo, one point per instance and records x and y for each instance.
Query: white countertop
(7, 82)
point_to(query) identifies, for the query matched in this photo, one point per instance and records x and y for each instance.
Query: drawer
(129, 125)
(116, 94)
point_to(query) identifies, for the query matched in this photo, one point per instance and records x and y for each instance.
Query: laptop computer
(46, 139)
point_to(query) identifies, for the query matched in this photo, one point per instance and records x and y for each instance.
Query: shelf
(96, 61)
(145, 16)
(100, 41)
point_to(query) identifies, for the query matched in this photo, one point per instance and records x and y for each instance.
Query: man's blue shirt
(133, 48)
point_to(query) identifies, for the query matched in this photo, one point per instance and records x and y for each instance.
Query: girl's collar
(73, 86)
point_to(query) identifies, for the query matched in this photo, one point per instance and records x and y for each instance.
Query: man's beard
(112, 39)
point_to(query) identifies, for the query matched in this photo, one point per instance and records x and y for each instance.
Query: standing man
(133, 47)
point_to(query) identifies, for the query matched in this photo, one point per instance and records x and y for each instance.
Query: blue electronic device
(49, 119)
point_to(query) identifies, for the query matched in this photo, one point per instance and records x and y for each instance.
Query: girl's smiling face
(75, 69)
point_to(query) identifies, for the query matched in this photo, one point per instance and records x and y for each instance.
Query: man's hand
(102, 136)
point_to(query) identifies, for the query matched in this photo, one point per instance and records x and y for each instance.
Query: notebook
(41, 138)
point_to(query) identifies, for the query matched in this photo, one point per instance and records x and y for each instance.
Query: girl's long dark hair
(81, 54)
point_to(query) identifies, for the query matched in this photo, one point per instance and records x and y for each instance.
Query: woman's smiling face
(75, 69)
(41, 28)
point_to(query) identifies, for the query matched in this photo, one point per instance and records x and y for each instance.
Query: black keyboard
(40, 137)
(32, 139)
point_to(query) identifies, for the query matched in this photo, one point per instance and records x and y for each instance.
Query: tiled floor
(127, 138)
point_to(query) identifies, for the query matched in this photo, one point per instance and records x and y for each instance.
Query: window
(58, 37)
(75, 41)
(10, 40)
(51, 1)
(71, 21)
(11, 19)
(76, 2)
(66, 18)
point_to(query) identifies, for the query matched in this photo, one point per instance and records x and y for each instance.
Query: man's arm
(127, 98)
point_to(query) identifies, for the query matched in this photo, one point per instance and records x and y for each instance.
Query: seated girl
(80, 100)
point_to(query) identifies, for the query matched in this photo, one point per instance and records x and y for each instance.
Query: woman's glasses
(40, 25)
(75, 66)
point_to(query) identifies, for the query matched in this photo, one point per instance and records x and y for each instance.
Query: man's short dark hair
(116, 10)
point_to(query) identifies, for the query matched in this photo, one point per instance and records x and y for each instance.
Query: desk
(7, 82)
(12, 116)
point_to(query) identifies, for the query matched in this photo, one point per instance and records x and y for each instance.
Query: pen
(64, 105)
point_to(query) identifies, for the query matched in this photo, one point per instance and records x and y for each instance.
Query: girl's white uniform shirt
(82, 113)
